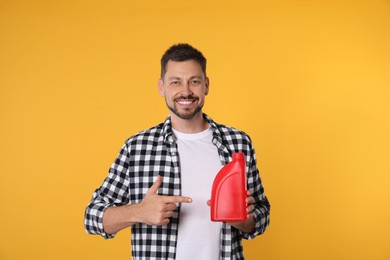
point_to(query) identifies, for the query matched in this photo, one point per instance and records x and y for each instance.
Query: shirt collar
(170, 137)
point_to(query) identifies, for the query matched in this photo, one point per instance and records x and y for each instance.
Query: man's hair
(182, 52)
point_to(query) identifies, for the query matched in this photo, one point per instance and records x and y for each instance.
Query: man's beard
(186, 116)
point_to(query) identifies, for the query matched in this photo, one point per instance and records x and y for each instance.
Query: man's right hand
(156, 209)
(152, 210)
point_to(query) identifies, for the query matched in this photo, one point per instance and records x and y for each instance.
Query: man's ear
(207, 84)
(161, 87)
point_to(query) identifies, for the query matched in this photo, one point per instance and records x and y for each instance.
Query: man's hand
(156, 209)
(250, 201)
(153, 210)
(248, 225)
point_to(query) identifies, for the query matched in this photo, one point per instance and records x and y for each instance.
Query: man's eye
(175, 83)
(195, 82)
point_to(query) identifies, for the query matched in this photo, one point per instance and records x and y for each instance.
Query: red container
(229, 192)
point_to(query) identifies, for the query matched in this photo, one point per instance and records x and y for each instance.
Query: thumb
(156, 185)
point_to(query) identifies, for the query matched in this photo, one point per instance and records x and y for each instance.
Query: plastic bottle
(229, 192)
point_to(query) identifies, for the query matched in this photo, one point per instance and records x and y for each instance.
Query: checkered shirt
(154, 152)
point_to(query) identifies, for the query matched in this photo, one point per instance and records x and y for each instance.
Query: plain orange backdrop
(307, 80)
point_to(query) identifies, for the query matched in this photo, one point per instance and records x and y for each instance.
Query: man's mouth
(185, 101)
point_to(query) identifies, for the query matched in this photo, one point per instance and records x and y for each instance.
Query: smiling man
(186, 86)
(161, 180)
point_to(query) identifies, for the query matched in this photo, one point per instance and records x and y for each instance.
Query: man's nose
(186, 89)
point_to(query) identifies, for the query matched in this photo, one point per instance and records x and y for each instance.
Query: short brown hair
(182, 52)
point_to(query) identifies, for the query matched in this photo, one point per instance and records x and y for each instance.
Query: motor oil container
(229, 192)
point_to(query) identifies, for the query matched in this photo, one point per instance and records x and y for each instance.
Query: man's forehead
(183, 68)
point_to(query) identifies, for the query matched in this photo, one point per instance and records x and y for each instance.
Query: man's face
(184, 87)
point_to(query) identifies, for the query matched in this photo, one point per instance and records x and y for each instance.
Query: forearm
(246, 226)
(118, 218)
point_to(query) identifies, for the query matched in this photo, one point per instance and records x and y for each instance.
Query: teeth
(185, 102)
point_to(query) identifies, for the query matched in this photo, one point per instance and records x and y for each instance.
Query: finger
(161, 222)
(250, 208)
(250, 200)
(168, 214)
(176, 199)
(165, 221)
(153, 189)
(170, 206)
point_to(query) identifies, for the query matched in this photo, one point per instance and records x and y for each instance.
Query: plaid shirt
(154, 152)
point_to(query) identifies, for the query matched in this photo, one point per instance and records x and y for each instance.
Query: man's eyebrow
(196, 77)
(173, 78)
(179, 78)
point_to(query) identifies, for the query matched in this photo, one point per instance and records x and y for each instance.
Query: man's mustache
(190, 97)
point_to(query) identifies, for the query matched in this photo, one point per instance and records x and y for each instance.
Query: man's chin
(185, 115)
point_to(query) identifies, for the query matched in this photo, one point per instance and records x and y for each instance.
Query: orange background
(308, 80)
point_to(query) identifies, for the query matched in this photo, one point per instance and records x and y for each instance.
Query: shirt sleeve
(261, 212)
(113, 192)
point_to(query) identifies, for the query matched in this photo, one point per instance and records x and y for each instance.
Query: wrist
(246, 226)
(133, 214)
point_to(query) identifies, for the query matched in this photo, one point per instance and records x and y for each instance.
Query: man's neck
(191, 126)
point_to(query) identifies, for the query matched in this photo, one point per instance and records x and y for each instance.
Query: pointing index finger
(176, 199)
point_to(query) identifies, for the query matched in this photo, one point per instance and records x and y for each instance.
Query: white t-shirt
(198, 236)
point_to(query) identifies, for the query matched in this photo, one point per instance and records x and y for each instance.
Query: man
(160, 183)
